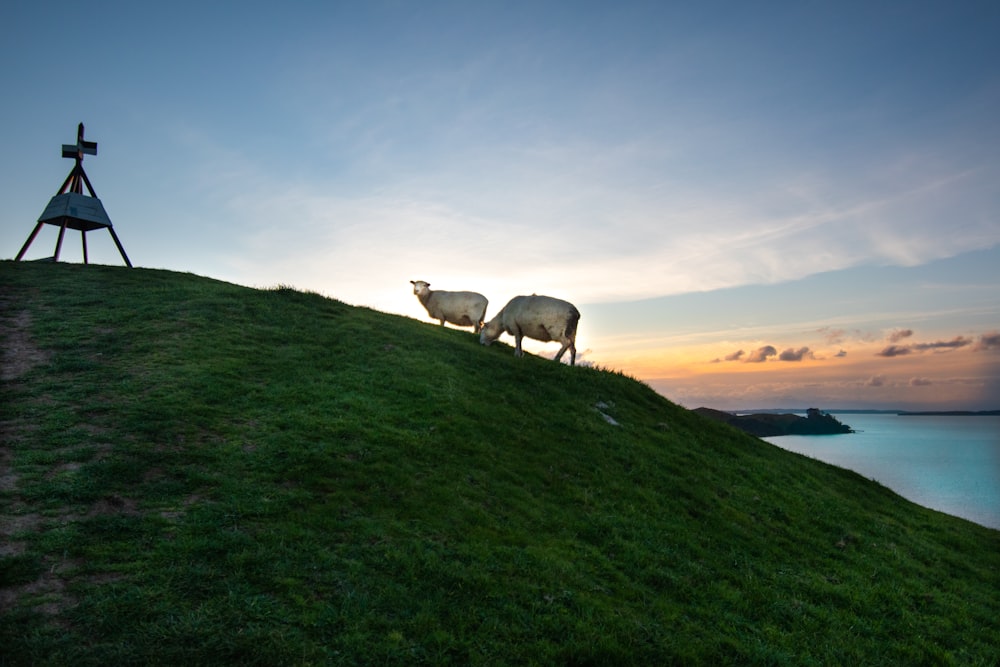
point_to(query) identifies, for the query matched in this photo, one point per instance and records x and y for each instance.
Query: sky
(753, 205)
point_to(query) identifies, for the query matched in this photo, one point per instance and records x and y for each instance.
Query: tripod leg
(120, 248)
(62, 232)
(27, 243)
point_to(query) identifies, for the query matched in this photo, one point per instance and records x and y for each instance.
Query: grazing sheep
(464, 309)
(543, 318)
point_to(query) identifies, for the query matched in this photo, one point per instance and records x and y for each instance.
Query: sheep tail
(571, 322)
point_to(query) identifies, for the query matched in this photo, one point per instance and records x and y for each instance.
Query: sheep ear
(413, 282)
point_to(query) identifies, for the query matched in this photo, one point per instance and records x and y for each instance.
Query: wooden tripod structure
(71, 209)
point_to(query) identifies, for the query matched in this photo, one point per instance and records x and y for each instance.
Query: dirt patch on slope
(20, 354)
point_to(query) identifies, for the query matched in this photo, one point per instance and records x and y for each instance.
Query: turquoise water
(950, 464)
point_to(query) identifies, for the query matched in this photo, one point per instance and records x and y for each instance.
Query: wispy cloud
(796, 355)
(761, 354)
(941, 345)
(899, 335)
(988, 341)
(606, 216)
(953, 344)
(875, 381)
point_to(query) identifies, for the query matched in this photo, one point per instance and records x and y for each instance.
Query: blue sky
(705, 183)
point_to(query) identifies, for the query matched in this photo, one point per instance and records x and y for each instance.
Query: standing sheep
(543, 318)
(464, 309)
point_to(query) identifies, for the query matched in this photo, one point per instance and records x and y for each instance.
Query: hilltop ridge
(197, 472)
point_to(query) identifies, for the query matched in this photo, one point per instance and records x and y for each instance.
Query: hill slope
(195, 472)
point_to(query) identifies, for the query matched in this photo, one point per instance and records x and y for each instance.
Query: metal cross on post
(81, 147)
(71, 209)
(77, 152)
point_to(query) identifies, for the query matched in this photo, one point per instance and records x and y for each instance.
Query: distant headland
(765, 425)
(951, 413)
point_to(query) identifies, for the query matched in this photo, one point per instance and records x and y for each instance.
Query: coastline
(948, 464)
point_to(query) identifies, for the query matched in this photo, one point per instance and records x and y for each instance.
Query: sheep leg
(517, 344)
(572, 352)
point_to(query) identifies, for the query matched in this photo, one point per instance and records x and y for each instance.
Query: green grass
(199, 473)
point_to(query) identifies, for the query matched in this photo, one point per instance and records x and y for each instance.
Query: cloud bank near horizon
(985, 342)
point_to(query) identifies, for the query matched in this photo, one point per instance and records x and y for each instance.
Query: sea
(947, 463)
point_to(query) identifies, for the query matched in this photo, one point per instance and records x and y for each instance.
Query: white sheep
(543, 318)
(464, 309)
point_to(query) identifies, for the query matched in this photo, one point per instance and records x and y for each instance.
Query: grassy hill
(193, 472)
